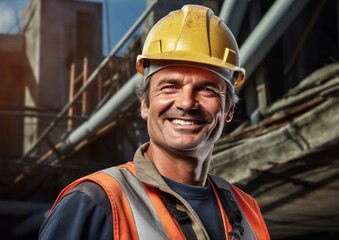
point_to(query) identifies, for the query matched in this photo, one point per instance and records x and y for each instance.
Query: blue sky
(10, 14)
(122, 14)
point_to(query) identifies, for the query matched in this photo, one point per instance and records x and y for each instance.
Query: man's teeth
(183, 122)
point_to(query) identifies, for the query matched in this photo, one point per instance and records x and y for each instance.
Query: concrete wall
(32, 35)
(52, 31)
(59, 46)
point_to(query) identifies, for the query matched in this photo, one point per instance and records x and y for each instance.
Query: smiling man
(190, 63)
(185, 116)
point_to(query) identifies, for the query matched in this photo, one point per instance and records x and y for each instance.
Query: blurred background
(68, 105)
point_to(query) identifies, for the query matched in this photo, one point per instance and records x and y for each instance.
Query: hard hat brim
(207, 63)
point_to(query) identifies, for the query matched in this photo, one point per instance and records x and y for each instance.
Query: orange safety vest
(139, 212)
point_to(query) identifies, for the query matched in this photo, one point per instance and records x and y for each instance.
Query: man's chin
(186, 145)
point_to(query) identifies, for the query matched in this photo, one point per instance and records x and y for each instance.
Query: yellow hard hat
(193, 34)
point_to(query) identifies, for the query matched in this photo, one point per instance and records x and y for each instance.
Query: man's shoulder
(91, 192)
(89, 188)
(92, 189)
(92, 186)
(83, 213)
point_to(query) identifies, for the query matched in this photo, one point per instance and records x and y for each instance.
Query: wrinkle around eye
(209, 92)
(169, 88)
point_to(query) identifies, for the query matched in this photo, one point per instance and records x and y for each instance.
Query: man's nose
(187, 99)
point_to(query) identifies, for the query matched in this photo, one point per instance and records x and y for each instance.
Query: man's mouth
(184, 122)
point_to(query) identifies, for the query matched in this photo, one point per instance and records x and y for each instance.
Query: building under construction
(66, 110)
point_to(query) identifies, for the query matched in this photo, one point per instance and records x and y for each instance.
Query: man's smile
(184, 122)
(180, 117)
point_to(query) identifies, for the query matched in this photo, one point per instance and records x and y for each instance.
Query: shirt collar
(146, 171)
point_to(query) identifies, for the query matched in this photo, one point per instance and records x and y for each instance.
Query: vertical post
(262, 89)
(84, 94)
(70, 97)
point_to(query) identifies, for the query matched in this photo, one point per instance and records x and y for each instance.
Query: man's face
(186, 109)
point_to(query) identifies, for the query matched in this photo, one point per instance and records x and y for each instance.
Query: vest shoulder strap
(137, 196)
(241, 228)
(182, 217)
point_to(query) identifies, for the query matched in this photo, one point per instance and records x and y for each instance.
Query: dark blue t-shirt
(204, 203)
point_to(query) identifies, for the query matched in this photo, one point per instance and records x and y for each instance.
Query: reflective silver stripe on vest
(248, 232)
(146, 219)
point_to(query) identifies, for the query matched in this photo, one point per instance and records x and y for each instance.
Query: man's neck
(183, 167)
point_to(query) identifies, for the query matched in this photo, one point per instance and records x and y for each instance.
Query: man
(190, 64)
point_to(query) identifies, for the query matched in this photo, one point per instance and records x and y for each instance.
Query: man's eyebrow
(204, 83)
(168, 81)
(210, 84)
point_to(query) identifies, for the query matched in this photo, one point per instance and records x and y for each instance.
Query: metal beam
(232, 13)
(123, 99)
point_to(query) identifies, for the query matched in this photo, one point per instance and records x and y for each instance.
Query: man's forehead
(180, 72)
(187, 75)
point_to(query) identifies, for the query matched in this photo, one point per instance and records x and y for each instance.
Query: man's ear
(143, 109)
(229, 114)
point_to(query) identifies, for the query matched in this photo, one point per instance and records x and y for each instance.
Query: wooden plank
(309, 93)
(70, 97)
(310, 130)
(84, 94)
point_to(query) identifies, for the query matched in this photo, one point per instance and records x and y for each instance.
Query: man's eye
(206, 89)
(210, 92)
(169, 87)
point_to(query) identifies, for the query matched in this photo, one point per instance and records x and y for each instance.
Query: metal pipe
(123, 99)
(232, 13)
(268, 31)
